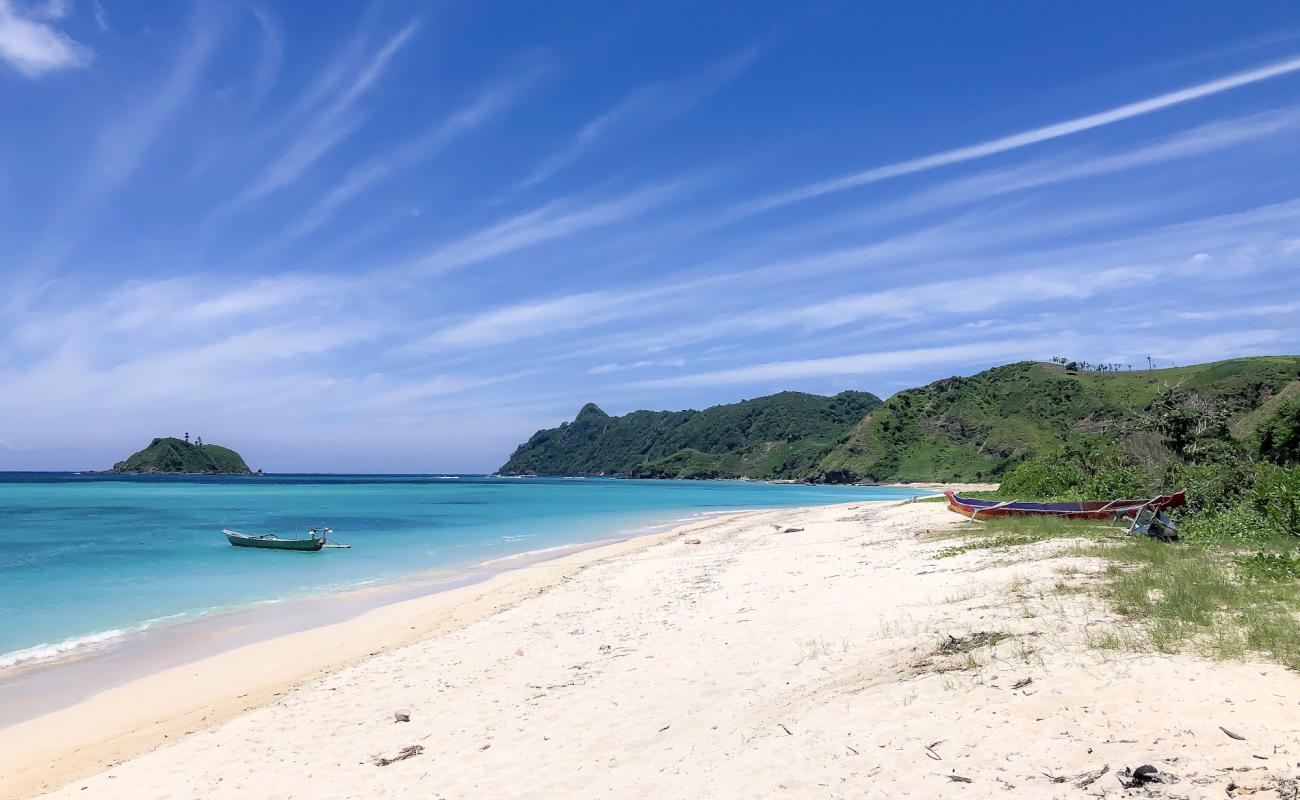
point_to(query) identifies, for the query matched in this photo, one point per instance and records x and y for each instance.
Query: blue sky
(403, 236)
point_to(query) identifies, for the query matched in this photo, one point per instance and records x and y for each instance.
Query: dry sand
(757, 663)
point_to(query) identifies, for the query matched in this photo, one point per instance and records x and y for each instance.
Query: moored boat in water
(269, 541)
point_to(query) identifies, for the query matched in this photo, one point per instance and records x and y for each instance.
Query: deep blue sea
(86, 559)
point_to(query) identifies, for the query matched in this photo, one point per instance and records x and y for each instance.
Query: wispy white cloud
(1008, 273)
(35, 48)
(707, 297)
(648, 105)
(1022, 139)
(552, 221)
(122, 145)
(53, 9)
(522, 320)
(101, 17)
(965, 296)
(970, 356)
(409, 394)
(1199, 349)
(605, 369)
(1196, 141)
(272, 55)
(330, 125)
(1240, 311)
(117, 151)
(202, 307)
(259, 361)
(484, 108)
(856, 364)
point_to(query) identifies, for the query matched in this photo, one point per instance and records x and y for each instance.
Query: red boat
(1089, 509)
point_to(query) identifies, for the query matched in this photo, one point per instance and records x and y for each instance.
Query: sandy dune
(759, 663)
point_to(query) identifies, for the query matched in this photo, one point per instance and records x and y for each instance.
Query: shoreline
(112, 658)
(86, 665)
(796, 652)
(52, 654)
(14, 663)
(134, 716)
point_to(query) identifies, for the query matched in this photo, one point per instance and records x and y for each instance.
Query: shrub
(1043, 477)
(1190, 423)
(1233, 526)
(1086, 467)
(1278, 438)
(1276, 496)
(1116, 481)
(1210, 487)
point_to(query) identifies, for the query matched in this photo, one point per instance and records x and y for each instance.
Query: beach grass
(1221, 602)
(1005, 532)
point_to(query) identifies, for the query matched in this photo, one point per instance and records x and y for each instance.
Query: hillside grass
(960, 429)
(1245, 425)
(980, 427)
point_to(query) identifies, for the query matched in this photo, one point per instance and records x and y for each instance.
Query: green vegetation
(1121, 430)
(1224, 607)
(779, 436)
(998, 533)
(982, 427)
(1221, 599)
(1278, 437)
(1275, 494)
(170, 455)
(1231, 586)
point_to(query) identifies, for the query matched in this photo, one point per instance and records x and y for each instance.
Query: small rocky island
(172, 456)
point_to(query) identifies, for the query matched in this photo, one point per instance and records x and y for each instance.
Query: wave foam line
(543, 551)
(53, 651)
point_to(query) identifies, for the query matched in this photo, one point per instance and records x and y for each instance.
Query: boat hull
(265, 543)
(1090, 509)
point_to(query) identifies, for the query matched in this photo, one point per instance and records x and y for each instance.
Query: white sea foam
(51, 651)
(698, 515)
(47, 651)
(543, 551)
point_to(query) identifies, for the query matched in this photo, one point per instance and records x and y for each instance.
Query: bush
(1116, 481)
(1043, 477)
(1086, 468)
(1210, 488)
(1278, 438)
(1276, 496)
(1193, 426)
(1227, 527)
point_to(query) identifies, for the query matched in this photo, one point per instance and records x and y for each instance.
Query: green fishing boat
(269, 541)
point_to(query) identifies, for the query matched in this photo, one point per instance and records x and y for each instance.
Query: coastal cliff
(171, 456)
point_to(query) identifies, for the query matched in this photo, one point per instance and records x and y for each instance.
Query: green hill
(783, 435)
(957, 429)
(974, 429)
(170, 455)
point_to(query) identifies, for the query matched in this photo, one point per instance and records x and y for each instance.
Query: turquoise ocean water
(87, 559)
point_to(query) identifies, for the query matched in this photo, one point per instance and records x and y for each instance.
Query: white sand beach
(792, 653)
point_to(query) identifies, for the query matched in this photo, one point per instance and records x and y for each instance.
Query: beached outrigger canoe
(269, 541)
(976, 508)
